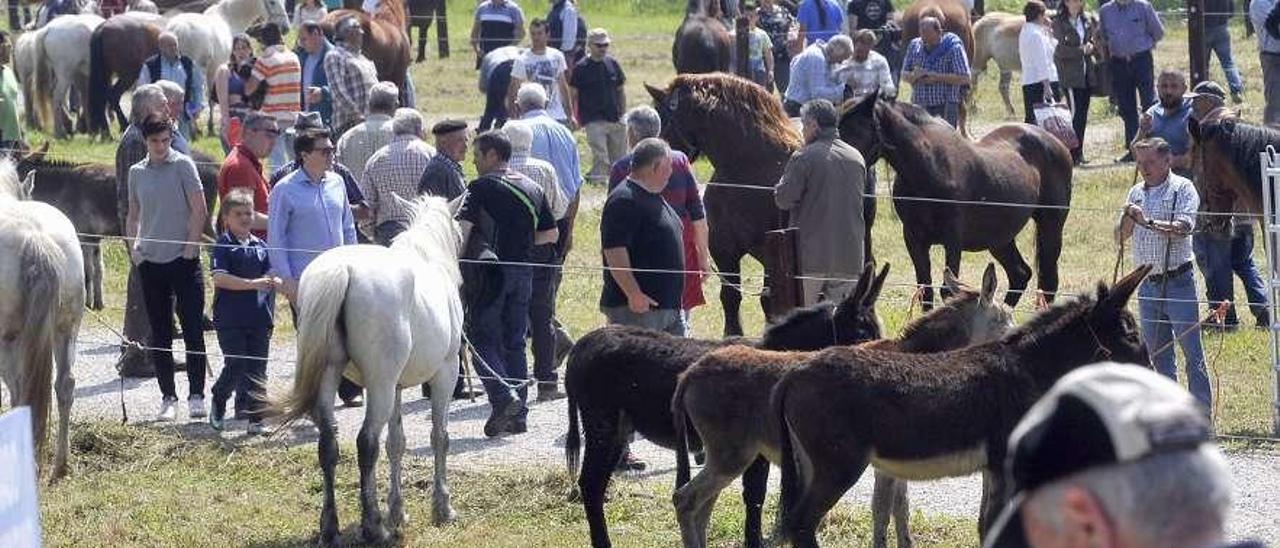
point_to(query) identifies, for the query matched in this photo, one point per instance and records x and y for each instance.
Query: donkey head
(989, 319)
(851, 321)
(1112, 327)
(854, 319)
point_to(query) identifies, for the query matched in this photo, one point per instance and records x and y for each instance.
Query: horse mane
(741, 104)
(1051, 320)
(915, 114)
(433, 234)
(1243, 143)
(10, 184)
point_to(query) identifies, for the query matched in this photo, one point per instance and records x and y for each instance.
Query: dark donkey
(725, 398)
(928, 416)
(1013, 164)
(621, 380)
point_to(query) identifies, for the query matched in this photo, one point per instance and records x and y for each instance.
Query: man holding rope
(1160, 214)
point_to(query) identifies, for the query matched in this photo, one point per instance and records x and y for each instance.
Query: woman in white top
(1035, 48)
(308, 10)
(867, 71)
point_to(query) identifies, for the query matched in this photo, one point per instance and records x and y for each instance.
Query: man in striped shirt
(497, 23)
(278, 69)
(394, 171)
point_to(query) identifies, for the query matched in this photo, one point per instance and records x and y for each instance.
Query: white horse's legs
(64, 355)
(441, 392)
(395, 453)
(61, 120)
(323, 417)
(381, 397)
(92, 274)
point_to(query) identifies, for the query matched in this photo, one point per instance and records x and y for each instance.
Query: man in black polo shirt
(640, 236)
(506, 214)
(597, 89)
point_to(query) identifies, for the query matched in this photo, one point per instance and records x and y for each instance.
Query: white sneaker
(196, 406)
(168, 410)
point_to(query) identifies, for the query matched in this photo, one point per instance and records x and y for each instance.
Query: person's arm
(278, 210)
(619, 263)
(564, 92)
(790, 188)
(544, 237)
(622, 96)
(884, 79)
(517, 78)
(255, 78)
(131, 225)
(519, 34)
(569, 27)
(960, 65)
(1184, 218)
(297, 15)
(475, 34)
(910, 74)
(1126, 222)
(370, 192)
(1154, 27)
(199, 218)
(348, 223)
(701, 239)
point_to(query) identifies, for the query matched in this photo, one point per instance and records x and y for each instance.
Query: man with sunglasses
(597, 90)
(243, 166)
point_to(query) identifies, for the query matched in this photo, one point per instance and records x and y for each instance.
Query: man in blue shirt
(553, 143)
(820, 19)
(937, 68)
(1131, 29)
(1167, 119)
(811, 76)
(312, 47)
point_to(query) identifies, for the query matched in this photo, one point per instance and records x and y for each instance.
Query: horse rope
(125, 344)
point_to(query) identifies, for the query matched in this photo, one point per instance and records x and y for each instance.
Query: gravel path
(1256, 474)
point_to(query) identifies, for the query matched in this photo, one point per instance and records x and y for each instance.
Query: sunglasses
(327, 151)
(601, 46)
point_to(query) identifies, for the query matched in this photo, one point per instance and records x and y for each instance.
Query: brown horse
(386, 42)
(702, 42)
(725, 398)
(1229, 150)
(742, 128)
(929, 416)
(130, 38)
(1013, 164)
(955, 18)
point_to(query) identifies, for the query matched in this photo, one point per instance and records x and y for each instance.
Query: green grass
(138, 486)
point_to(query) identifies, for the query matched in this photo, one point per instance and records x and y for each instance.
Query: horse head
(854, 319)
(674, 124)
(859, 128)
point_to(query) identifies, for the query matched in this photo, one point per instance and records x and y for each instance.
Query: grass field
(147, 487)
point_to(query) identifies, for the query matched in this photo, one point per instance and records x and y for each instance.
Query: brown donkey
(725, 397)
(928, 416)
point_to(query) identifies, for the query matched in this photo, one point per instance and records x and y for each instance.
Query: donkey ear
(950, 282)
(28, 185)
(988, 292)
(1119, 294)
(873, 292)
(658, 95)
(855, 297)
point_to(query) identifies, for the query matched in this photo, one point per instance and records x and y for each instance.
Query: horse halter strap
(676, 130)
(1101, 349)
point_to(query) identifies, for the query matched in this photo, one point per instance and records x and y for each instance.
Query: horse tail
(42, 81)
(680, 421)
(1055, 191)
(789, 484)
(97, 101)
(572, 441)
(319, 333)
(41, 276)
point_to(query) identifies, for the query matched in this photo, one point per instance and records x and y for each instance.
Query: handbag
(1055, 118)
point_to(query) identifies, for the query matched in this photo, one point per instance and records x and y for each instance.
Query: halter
(1104, 351)
(668, 108)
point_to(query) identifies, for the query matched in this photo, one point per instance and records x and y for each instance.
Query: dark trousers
(244, 369)
(387, 231)
(347, 389)
(1221, 254)
(1080, 98)
(497, 331)
(1132, 86)
(781, 73)
(542, 312)
(162, 283)
(1033, 94)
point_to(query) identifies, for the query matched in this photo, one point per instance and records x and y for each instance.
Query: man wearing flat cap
(1114, 456)
(443, 176)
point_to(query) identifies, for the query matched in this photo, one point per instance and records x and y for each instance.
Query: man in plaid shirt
(938, 70)
(394, 171)
(350, 74)
(1159, 214)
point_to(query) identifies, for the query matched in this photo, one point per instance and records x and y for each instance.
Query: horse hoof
(374, 535)
(328, 538)
(446, 517)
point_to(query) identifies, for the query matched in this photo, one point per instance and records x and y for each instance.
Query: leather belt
(1172, 273)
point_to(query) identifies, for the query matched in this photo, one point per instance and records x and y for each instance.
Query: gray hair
(931, 22)
(648, 152)
(821, 112)
(1136, 496)
(172, 91)
(841, 41)
(168, 35)
(384, 98)
(643, 122)
(520, 135)
(146, 99)
(407, 121)
(531, 96)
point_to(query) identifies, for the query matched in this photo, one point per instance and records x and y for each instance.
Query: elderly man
(937, 68)
(243, 166)
(443, 174)
(546, 67)
(1114, 456)
(179, 69)
(1160, 215)
(350, 74)
(554, 143)
(314, 92)
(394, 172)
(278, 69)
(497, 23)
(822, 190)
(1131, 29)
(598, 91)
(812, 76)
(1260, 14)
(359, 142)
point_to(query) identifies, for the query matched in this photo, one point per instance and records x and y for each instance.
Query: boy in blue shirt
(243, 310)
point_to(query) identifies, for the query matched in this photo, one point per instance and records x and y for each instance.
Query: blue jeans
(1255, 289)
(1218, 40)
(1133, 88)
(1213, 256)
(245, 376)
(1162, 320)
(497, 331)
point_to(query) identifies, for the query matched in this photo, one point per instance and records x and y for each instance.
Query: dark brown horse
(702, 42)
(955, 19)
(1013, 164)
(421, 14)
(929, 416)
(742, 129)
(1229, 150)
(386, 42)
(116, 52)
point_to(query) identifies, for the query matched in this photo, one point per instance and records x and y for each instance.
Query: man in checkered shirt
(937, 68)
(394, 171)
(1159, 214)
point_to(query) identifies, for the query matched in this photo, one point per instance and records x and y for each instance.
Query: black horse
(702, 44)
(621, 380)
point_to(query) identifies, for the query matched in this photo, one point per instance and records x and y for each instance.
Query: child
(759, 48)
(308, 10)
(243, 309)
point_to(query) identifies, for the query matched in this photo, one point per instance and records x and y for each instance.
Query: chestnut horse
(131, 38)
(386, 42)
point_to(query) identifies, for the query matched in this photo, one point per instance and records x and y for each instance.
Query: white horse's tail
(42, 84)
(318, 334)
(41, 278)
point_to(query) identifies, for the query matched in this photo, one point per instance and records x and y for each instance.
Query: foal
(725, 398)
(928, 416)
(621, 379)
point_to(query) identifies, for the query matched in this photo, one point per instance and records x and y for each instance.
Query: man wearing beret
(443, 176)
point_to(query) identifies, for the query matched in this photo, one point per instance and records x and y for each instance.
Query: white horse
(206, 37)
(41, 305)
(54, 64)
(995, 36)
(390, 318)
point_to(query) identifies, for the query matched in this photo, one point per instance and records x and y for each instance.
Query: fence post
(1195, 39)
(1271, 241)
(781, 266)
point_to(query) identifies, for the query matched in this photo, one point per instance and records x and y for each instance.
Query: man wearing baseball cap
(1114, 456)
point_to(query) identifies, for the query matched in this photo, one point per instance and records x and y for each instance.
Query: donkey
(928, 416)
(725, 397)
(621, 380)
